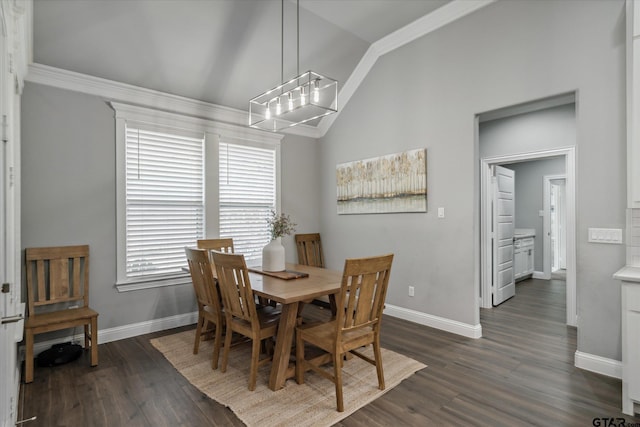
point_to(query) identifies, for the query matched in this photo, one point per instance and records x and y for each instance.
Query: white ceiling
(219, 51)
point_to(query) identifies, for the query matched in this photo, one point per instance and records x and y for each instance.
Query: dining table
(291, 293)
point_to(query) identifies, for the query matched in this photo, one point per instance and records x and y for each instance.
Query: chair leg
(337, 368)
(86, 336)
(255, 356)
(28, 359)
(227, 346)
(299, 359)
(94, 341)
(216, 347)
(378, 357)
(196, 344)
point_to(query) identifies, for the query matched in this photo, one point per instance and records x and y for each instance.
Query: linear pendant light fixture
(302, 99)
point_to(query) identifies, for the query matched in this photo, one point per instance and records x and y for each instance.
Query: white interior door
(558, 224)
(503, 286)
(555, 225)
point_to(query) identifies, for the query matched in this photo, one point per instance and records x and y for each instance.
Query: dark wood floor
(520, 373)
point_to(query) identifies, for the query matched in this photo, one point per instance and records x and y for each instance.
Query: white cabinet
(633, 103)
(630, 293)
(523, 253)
(630, 346)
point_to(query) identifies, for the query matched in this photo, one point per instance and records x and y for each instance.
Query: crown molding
(440, 17)
(167, 118)
(111, 90)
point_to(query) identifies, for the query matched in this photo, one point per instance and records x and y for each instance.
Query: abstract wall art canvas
(387, 184)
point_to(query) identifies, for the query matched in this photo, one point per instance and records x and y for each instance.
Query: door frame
(569, 154)
(546, 223)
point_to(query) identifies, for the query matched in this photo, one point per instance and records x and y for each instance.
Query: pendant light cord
(298, 34)
(281, 41)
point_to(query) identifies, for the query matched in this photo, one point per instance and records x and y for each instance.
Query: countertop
(628, 274)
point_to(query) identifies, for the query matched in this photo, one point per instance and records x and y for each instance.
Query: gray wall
(427, 93)
(535, 131)
(68, 196)
(529, 198)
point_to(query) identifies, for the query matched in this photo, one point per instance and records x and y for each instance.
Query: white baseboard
(539, 275)
(135, 329)
(126, 331)
(598, 364)
(442, 323)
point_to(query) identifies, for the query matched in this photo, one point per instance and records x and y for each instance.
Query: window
(247, 195)
(180, 178)
(164, 201)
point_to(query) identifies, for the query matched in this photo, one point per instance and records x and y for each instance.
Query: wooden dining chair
(241, 314)
(357, 323)
(309, 248)
(210, 313)
(220, 245)
(226, 245)
(58, 297)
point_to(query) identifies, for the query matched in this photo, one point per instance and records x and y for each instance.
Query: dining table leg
(282, 352)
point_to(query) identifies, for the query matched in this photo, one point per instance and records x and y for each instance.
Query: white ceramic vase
(273, 256)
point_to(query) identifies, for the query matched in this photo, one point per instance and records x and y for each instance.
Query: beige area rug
(310, 404)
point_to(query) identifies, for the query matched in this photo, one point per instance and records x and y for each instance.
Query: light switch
(440, 212)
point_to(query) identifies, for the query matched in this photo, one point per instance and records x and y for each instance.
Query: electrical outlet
(412, 291)
(605, 235)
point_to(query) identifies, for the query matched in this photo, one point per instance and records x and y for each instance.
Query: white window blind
(247, 195)
(164, 201)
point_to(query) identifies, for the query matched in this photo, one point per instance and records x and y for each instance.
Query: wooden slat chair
(241, 314)
(357, 323)
(57, 279)
(210, 314)
(309, 248)
(225, 245)
(220, 245)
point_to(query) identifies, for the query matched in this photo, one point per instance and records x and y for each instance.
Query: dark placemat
(284, 275)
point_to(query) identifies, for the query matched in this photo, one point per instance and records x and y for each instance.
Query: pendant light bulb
(278, 107)
(303, 96)
(290, 101)
(316, 90)
(267, 114)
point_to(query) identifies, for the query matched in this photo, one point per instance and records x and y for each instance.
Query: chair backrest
(362, 294)
(309, 249)
(220, 245)
(204, 282)
(57, 275)
(233, 279)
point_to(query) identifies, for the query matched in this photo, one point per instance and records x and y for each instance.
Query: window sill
(150, 283)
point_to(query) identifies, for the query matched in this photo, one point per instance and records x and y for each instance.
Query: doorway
(486, 220)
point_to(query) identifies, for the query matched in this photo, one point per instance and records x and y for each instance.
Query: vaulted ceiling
(219, 51)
